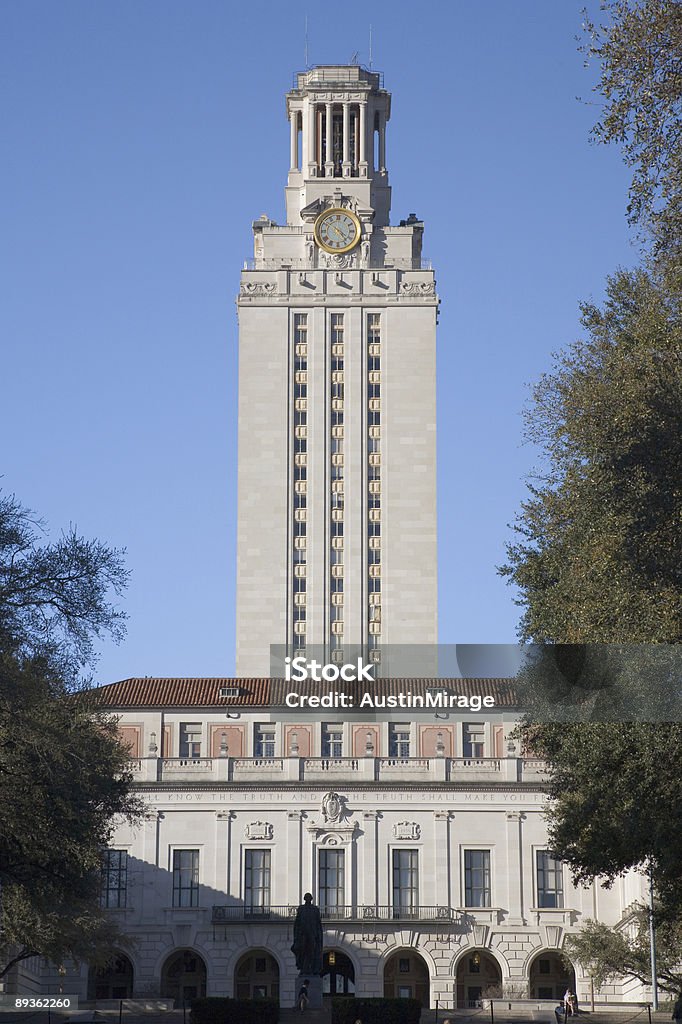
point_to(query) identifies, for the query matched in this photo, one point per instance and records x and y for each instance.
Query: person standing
(302, 1001)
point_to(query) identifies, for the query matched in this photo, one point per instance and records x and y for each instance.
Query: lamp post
(652, 940)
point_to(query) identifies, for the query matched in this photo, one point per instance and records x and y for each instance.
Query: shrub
(375, 1011)
(221, 1010)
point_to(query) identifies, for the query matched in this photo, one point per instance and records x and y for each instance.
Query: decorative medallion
(407, 830)
(259, 830)
(258, 288)
(332, 808)
(417, 288)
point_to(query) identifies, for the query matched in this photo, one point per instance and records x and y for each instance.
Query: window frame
(555, 871)
(339, 889)
(177, 873)
(120, 873)
(469, 869)
(399, 906)
(261, 906)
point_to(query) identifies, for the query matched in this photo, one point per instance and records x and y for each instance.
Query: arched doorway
(478, 977)
(549, 976)
(114, 981)
(406, 976)
(256, 976)
(338, 974)
(183, 976)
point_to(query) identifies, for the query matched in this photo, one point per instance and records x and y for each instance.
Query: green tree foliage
(600, 552)
(616, 792)
(639, 52)
(55, 597)
(64, 776)
(599, 560)
(608, 953)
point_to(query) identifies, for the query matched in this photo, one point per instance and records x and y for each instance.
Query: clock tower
(336, 537)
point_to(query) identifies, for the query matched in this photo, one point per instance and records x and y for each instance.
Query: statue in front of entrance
(307, 947)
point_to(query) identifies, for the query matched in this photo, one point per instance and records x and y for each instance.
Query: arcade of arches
(478, 977)
(406, 976)
(256, 976)
(183, 976)
(338, 974)
(114, 981)
(549, 977)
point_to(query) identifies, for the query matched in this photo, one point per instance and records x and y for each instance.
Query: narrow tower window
(299, 499)
(336, 478)
(374, 484)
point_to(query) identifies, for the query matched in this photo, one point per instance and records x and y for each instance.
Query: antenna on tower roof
(354, 58)
(305, 46)
(370, 46)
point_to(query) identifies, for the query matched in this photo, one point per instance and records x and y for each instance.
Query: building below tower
(422, 838)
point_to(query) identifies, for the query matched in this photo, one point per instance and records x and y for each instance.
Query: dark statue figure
(307, 947)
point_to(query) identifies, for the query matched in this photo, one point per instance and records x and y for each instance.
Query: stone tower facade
(337, 383)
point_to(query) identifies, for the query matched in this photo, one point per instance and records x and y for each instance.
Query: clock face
(337, 230)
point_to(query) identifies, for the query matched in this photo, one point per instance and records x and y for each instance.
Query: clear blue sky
(142, 137)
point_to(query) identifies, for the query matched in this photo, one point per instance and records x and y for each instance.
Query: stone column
(221, 846)
(310, 142)
(293, 138)
(441, 861)
(346, 140)
(382, 141)
(369, 896)
(294, 855)
(514, 820)
(150, 863)
(362, 164)
(329, 162)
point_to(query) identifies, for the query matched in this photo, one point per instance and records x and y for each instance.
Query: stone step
(289, 1016)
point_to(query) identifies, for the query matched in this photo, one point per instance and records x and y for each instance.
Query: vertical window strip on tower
(374, 484)
(337, 483)
(300, 477)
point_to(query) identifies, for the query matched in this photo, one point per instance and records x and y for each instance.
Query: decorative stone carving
(407, 830)
(259, 830)
(417, 288)
(338, 261)
(332, 808)
(480, 935)
(258, 288)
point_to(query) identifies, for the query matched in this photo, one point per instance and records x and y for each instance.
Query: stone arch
(113, 981)
(548, 976)
(338, 972)
(410, 940)
(183, 976)
(463, 951)
(336, 940)
(406, 974)
(256, 974)
(478, 976)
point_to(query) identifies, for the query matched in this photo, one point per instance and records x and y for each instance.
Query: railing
(299, 263)
(408, 765)
(258, 764)
(285, 913)
(273, 769)
(333, 765)
(186, 764)
(342, 76)
(475, 764)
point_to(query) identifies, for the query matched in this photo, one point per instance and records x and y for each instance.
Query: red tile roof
(152, 692)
